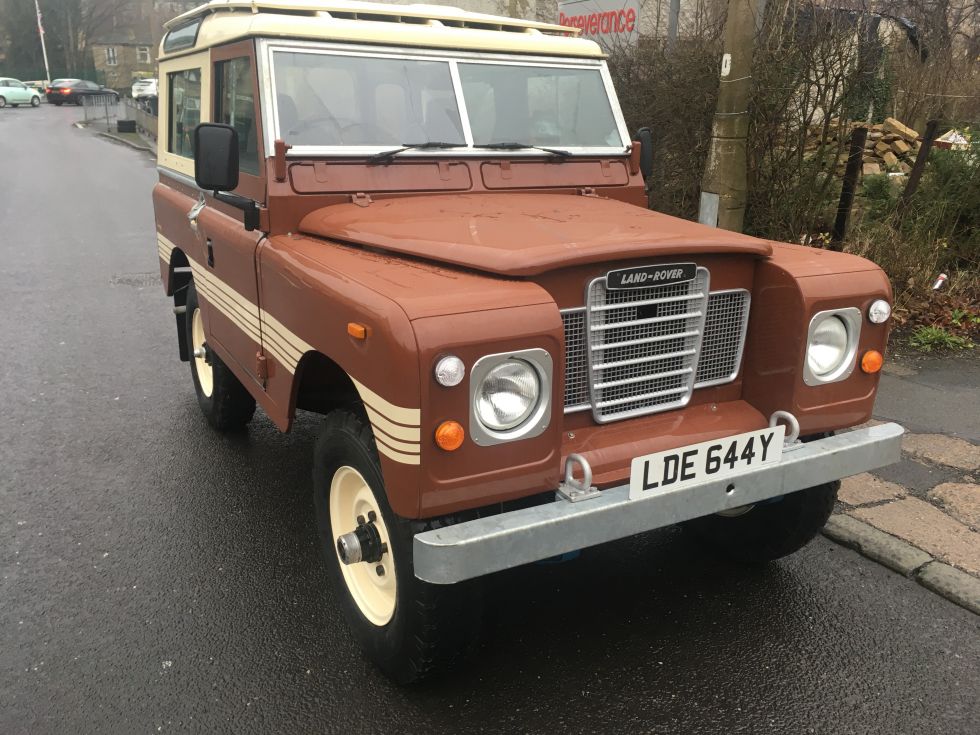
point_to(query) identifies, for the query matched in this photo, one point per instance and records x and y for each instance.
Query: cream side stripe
(287, 347)
(216, 301)
(290, 337)
(412, 448)
(409, 416)
(404, 433)
(407, 447)
(207, 286)
(397, 456)
(284, 356)
(225, 289)
(251, 314)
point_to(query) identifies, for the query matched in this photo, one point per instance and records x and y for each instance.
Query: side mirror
(645, 137)
(216, 157)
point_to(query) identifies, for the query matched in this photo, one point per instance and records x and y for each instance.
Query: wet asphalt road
(157, 577)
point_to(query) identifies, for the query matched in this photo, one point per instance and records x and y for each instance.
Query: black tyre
(224, 400)
(768, 530)
(410, 629)
(35, 101)
(3, 102)
(57, 104)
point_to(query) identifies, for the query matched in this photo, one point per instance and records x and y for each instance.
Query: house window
(143, 54)
(110, 56)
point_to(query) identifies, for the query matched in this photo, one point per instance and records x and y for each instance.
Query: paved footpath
(921, 517)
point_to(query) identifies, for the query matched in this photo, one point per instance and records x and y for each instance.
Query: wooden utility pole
(723, 187)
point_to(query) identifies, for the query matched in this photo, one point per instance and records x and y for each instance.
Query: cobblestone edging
(902, 557)
(919, 518)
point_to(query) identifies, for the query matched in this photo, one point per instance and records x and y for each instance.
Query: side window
(184, 111)
(235, 106)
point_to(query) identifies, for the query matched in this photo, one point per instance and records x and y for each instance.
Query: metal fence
(143, 114)
(101, 109)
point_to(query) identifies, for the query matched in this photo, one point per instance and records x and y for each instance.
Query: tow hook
(362, 544)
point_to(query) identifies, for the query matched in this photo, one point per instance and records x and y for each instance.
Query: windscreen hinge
(587, 191)
(361, 199)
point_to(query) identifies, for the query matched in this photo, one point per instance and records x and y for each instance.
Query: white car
(144, 88)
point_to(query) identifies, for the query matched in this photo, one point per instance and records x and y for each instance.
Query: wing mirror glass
(216, 157)
(645, 137)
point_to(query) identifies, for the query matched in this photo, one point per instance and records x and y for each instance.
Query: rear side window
(184, 108)
(181, 38)
(235, 106)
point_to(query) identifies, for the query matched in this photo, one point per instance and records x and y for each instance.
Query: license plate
(697, 464)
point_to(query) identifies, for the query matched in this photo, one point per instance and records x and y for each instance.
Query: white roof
(436, 26)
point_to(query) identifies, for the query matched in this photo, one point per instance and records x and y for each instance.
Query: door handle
(194, 212)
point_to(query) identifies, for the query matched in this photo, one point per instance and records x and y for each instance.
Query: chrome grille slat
(655, 394)
(651, 320)
(643, 365)
(688, 297)
(649, 358)
(643, 378)
(631, 342)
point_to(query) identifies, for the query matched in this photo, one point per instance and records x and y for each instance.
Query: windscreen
(538, 105)
(334, 100)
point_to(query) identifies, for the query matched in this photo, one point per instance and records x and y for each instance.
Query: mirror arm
(248, 206)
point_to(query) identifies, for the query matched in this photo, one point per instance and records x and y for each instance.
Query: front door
(228, 276)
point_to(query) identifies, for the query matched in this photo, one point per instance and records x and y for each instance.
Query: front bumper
(485, 545)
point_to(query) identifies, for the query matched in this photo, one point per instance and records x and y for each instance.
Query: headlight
(831, 346)
(828, 346)
(508, 395)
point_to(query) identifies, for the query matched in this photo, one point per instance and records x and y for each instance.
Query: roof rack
(432, 15)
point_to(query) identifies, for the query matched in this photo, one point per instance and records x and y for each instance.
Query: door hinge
(587, 191)
(261, 366)
(361, 199)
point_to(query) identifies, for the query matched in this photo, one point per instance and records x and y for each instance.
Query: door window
(235, 106)
(184, 110)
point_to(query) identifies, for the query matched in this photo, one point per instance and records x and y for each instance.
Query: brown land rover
(430, 227)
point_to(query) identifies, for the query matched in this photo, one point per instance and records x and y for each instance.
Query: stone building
(124, 48)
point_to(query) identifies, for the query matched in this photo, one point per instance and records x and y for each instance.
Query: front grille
(724, 337)
(649, 348)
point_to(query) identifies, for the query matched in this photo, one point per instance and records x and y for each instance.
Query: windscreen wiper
(521, 146)
(386, 156)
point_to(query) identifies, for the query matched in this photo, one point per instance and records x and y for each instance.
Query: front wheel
(409, 628)
(225, 402)
(3, 102)
(35, 101)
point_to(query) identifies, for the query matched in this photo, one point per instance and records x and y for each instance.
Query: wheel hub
(363, 544)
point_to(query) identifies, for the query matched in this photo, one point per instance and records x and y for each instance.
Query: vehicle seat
(288, 114)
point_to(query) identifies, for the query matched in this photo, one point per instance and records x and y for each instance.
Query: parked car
(38, 85)
(144, 88)
(514, 358)
(15, 93)
(76, 90)
(54, 83)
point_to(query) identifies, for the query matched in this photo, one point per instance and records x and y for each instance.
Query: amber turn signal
(357, 331)
(450, 435)
(872, 361)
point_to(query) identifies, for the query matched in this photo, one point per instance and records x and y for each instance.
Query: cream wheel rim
(371, 585)
(205, 373)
